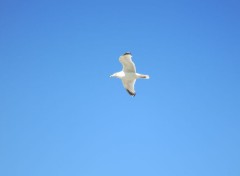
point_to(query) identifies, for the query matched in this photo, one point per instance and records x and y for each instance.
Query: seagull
(128, 75)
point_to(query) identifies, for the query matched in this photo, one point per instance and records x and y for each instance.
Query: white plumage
(128, 75)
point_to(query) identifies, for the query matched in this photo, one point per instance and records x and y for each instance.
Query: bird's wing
(128, 65)
(129, 86)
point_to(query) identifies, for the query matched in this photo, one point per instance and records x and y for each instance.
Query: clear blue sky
(61, 114)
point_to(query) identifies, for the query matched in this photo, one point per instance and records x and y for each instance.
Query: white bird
(128, 75)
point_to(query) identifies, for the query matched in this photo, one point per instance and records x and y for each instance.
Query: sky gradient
(61, 114)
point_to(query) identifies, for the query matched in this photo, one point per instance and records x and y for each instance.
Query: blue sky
(61, 114)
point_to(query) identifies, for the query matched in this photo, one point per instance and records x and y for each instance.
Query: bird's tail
(143, 76)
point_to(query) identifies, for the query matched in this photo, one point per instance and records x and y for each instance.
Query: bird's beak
(113, 75)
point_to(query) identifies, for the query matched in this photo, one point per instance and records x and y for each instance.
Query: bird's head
(113, 75)
(117, 75)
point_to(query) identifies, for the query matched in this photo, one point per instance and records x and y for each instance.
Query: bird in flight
(128, 75)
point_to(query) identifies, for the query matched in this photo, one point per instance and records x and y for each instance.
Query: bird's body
(128, 75)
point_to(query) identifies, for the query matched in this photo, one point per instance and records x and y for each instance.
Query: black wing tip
(127, 53)
(132, 94)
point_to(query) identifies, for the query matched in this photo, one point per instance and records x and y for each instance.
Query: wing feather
(128, 64)
(129, 86)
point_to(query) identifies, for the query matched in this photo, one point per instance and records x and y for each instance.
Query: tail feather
(144, 76)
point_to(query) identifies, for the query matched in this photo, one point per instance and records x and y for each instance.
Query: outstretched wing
(129, 86)
(126, 61)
